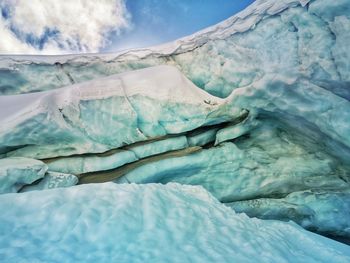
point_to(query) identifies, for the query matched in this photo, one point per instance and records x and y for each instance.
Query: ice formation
(311, 209)
(148, 223)
(255, 109)
(52, 180)
(18, 171)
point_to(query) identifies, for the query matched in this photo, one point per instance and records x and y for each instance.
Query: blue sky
(159, 21)
(58, 27)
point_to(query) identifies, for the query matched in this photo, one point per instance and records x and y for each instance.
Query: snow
(89, 117)
(143, 223)
(289, 45)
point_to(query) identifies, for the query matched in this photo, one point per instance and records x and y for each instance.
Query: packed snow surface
(147, 223)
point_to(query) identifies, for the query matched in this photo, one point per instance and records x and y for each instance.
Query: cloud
(60, 26)
(9, 43)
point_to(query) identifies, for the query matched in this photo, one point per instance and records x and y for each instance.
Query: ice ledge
(106, 113)
(163, 83)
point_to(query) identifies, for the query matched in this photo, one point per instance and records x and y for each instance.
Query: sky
(90, 26)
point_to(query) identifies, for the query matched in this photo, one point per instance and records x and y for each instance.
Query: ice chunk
(52, 180)
(143, 223)
(17, 171)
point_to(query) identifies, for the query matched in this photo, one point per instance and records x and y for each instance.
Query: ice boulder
(147, 223)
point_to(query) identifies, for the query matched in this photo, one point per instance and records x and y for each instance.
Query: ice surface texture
(52, 180)
(147, 223)
(255, 109)
(106, 113)
(17, 172)
(314, 210)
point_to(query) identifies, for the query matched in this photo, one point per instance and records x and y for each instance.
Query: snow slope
(147, 223)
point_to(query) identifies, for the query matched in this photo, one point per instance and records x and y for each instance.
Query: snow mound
(147, 223)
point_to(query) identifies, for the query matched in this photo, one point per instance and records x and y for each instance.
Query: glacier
(255, 110)
(125, 223)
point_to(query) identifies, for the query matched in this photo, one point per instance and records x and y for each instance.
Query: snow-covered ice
(106, 113)
(147, 223)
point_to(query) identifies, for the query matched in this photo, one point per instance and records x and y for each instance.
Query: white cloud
(9, 43)
(80, 25)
